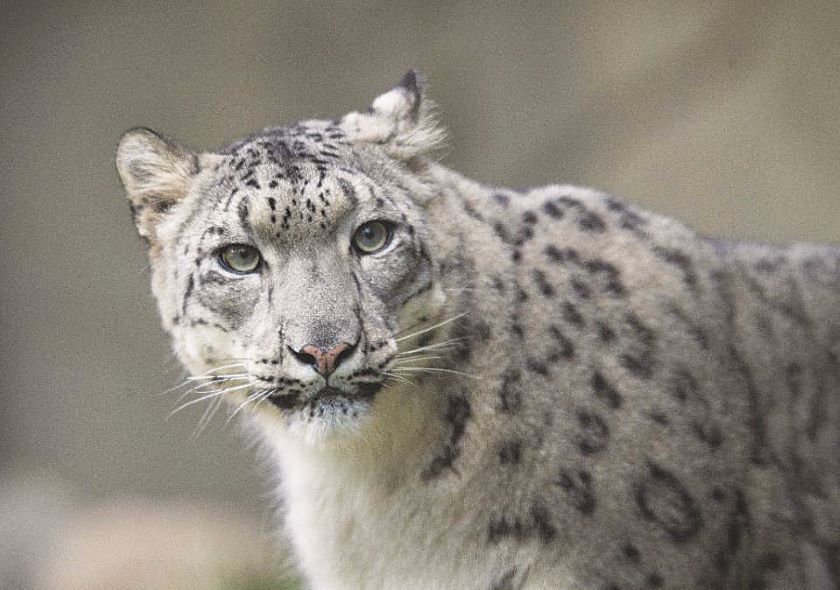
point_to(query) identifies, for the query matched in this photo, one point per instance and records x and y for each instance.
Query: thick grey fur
(631, 405)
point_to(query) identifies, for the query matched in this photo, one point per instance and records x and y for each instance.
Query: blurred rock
(51, 542)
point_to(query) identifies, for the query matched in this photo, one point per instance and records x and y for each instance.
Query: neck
(388, 449)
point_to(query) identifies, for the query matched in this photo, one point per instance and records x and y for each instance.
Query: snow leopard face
(288, 266)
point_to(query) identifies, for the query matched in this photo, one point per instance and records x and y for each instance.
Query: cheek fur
(397, 275)
(231, 303)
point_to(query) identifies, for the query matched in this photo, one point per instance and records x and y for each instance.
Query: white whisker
(431, 369)
(209, 396)
(184, 383)
(207, 416)
(210, 386)
(416, 358)
(217, 369)
(439, 324)
(267, 395)
(216, 377)
(191, 380)
(262, 393)
(195, 401)
(399, 378)
(438, 345)
(240, 406)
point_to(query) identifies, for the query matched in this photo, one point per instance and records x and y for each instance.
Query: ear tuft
(401, 120)
(412, 84)
(155, 173)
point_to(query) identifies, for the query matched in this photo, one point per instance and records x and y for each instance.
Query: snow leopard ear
(401, 120)
(155, 173)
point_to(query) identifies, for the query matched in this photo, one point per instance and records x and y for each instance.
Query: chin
(329, 414)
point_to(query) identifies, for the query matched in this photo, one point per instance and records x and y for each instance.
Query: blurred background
(722, 114)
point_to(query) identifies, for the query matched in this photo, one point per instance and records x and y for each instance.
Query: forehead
(288, 182)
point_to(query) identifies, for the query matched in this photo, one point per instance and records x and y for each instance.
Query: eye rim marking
(224, 262)
(388, 228)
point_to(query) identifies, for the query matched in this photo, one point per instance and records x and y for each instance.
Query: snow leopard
(467, 386)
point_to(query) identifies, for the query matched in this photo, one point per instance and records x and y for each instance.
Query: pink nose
(325, 362)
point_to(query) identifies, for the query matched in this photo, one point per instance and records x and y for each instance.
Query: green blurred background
(722, 114)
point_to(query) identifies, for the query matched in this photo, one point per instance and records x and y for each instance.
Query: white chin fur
(328, 421)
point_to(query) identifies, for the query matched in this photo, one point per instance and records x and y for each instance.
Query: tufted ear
(155, 173)
(402, 121)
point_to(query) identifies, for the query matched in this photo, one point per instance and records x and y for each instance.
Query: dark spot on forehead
(348, 190)
(242, 211)
(501, 199)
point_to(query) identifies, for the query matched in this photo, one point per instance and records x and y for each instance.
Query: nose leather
(326, 361)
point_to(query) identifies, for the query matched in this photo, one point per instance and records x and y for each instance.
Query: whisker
(268, 394)
(207, 417)
(216, 377)
(439, 324)
(183, 383)
(411, 327)
(209, 396)
(416, 358)
(208, 378)
(248, 399)
(438, 345)
(216, 369)
(432, 369)
(399, 378)
(202, 387)
(195, 401)
(257, 396)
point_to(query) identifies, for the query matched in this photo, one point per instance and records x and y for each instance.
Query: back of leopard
(470, 387)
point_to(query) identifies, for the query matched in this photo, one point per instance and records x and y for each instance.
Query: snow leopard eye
(240, 258)
(372, 237)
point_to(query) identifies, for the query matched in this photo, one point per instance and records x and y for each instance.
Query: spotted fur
(616, 402)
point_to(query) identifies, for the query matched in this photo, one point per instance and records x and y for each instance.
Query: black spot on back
(682, 261)
(629, 551)
(505, 581)
(577, 489)
(566, 348)
(611, 276)
(537, 523)
(591, 222)
(542, 283)
(603, 390)
(570, 314)
(510, 452)
(655, 580)
(510, 393)
(663, 499)
(594, 432)
(639, 359)
(553, 210)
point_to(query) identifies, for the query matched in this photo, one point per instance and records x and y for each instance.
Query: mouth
(326, 396)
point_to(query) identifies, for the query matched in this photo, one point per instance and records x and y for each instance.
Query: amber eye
(240, 258)
(372, 237)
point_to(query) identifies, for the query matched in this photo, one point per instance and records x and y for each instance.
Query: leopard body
(548, 388)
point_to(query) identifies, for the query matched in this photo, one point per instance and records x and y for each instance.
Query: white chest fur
(359, 515)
